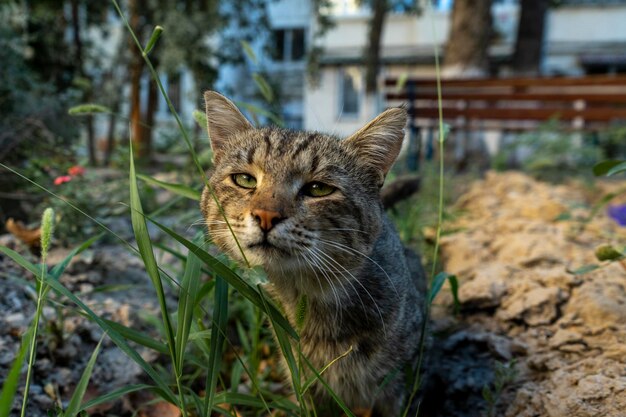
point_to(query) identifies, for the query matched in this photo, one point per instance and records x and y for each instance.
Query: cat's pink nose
(267, 218)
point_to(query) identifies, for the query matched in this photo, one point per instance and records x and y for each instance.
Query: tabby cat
(306, 206)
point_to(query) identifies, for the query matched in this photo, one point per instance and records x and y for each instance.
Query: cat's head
(297, 202)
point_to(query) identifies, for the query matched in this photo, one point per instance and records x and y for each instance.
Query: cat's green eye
(318, 189)
(244, 180)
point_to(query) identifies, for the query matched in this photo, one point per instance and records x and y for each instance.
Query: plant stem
(426, 316)
(182, 129)
(33, 342)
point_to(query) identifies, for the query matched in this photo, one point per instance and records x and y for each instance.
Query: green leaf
(603, 168)
(218, 330)
(286, 348)
(85, 109)
(617, 169)
(200, 118)
(113, 334)
(59, 268)
(402, 79)
(167, 393)
(232, 278)
(20, 260)
(186, 303)
(329, 390)
(487, 394)
(138, 337)
(247, 49)
(9, 388)
(140, 228)
(437, 283)
(608, 253)
(584, 269)
(301, 311)
(179, 189)
(454, 289)
(114, 395)
(264, 87)
(156, 34)
(73, 408)
(256, 110)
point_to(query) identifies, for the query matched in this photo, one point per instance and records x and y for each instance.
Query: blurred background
(326, 65)
(537, 86)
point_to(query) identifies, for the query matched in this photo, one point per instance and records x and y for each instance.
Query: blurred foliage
(550, 153)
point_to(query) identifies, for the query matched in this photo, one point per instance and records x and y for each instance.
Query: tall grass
(195, 334)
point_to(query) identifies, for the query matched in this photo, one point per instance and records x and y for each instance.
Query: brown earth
(516, 244)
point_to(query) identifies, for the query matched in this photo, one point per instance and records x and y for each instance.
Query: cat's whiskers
(342, 229)
(316, 267)
(348, 249)
(330, 258)
(329, 268)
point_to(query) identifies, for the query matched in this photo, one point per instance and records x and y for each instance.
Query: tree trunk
(467, 49)
(372, 50)
(78, 56)
(153, 104)
(529, 42)
(110, 146)
(135, 71)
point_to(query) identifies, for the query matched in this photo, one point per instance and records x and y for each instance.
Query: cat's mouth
(265, 246)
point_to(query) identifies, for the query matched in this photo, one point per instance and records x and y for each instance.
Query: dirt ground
(560, 336)
(515, 245)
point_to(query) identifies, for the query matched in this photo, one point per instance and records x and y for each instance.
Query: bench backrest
(588, 103)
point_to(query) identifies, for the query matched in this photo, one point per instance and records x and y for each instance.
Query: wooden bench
(589, 103)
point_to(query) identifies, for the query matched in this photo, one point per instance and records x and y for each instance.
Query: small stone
(564, 337)
(487, 287)
(535, 307)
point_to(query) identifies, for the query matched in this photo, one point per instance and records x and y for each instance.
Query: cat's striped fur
(364, 290)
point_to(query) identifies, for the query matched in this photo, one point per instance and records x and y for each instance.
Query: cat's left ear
(378, 143)
(224, 120)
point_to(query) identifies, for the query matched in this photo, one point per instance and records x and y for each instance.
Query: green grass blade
(20, 260)
(247, 49)
(73, 408)
(264, 87)
(58, 269)
(9, 388)
(118, 339)
(233, 279)
(617, 169)
(181, 127)
(220, 318)
(179, 189)
(186, 303)
(138, 337)
(437, 283)
(285, 346)
(86, 109)
(114, 395)
(330, 391)
(140, 228)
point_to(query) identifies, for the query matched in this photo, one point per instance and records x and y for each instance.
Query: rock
(601, 300)
(563, 337)
(487, 287)
(574, 392)
(535, 307)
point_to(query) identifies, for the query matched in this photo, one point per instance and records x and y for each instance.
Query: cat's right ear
(224, 120)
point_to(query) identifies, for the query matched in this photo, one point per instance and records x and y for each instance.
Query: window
(350, 87)
(288, 44)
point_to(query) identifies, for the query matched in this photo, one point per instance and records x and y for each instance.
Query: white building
(581, 37)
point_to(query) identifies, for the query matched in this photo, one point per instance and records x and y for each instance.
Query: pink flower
(62, 179)
(76, 170)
